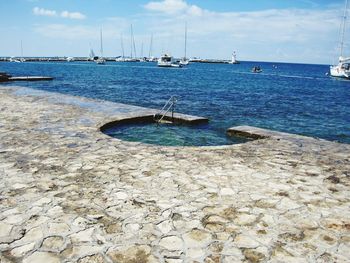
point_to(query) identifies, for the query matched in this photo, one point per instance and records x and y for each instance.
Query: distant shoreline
(113, 59)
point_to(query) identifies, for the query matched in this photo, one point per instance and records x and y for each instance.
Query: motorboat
(256, 69)
(168, 61)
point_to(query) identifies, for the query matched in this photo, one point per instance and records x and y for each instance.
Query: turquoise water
(295, 98)
(172, 135)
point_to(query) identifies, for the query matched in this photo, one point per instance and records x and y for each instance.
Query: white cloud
(291, 35)
(174, 7)
(297, 35)
(111, 27)
(44, 12)
(72, 15)
(65, 14)
(61, 31)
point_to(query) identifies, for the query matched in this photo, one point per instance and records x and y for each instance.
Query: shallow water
(172, 135)
(293, 98)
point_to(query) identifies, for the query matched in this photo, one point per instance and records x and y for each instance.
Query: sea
(294, 98)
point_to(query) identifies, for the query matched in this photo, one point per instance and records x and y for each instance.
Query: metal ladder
(169, 105)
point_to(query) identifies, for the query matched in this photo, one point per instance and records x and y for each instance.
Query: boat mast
(150, 47)
(122, 44)
(133, 41)
(101, 43)
(343, 26)
(21, 49)
(141, 50)
(185, 39)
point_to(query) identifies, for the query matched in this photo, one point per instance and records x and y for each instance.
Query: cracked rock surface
(69, 193)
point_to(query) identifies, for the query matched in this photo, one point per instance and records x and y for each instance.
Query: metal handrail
(170, 104)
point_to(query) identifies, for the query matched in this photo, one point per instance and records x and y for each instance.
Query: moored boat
(184, 61)
(342, 70)
(101, 59)
(256, 69)
(168, 61)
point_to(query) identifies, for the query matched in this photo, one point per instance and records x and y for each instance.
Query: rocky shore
(69, 193)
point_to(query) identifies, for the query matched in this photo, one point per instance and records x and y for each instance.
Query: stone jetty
(69, 193)
(4, 77)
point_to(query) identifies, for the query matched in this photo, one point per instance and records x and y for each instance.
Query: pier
(70, 193)
(4, 77)
(30, 78)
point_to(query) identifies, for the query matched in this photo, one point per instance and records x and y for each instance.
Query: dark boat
(4, 76)
(256, 69)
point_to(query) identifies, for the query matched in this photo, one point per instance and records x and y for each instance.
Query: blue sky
(261, 30)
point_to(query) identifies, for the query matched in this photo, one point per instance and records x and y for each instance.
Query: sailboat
(342, 70)
(21, 59)
(132, 47)
(151, 58)
(142, 58)
(184, 61)
(122, 58)
(234, 59)
(101, 59)
(92, 55)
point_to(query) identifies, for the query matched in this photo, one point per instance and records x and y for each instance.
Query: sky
(298, 31)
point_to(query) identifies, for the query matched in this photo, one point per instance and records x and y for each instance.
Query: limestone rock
(196, 238)
(22, 250)
(42, 257)
(245, 219)
(171, 243)
(83, 236)
(244, 241)
(53, 243)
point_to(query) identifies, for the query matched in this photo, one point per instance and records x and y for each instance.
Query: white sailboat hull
(184, 62)
(100, 61)
(339, 71)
